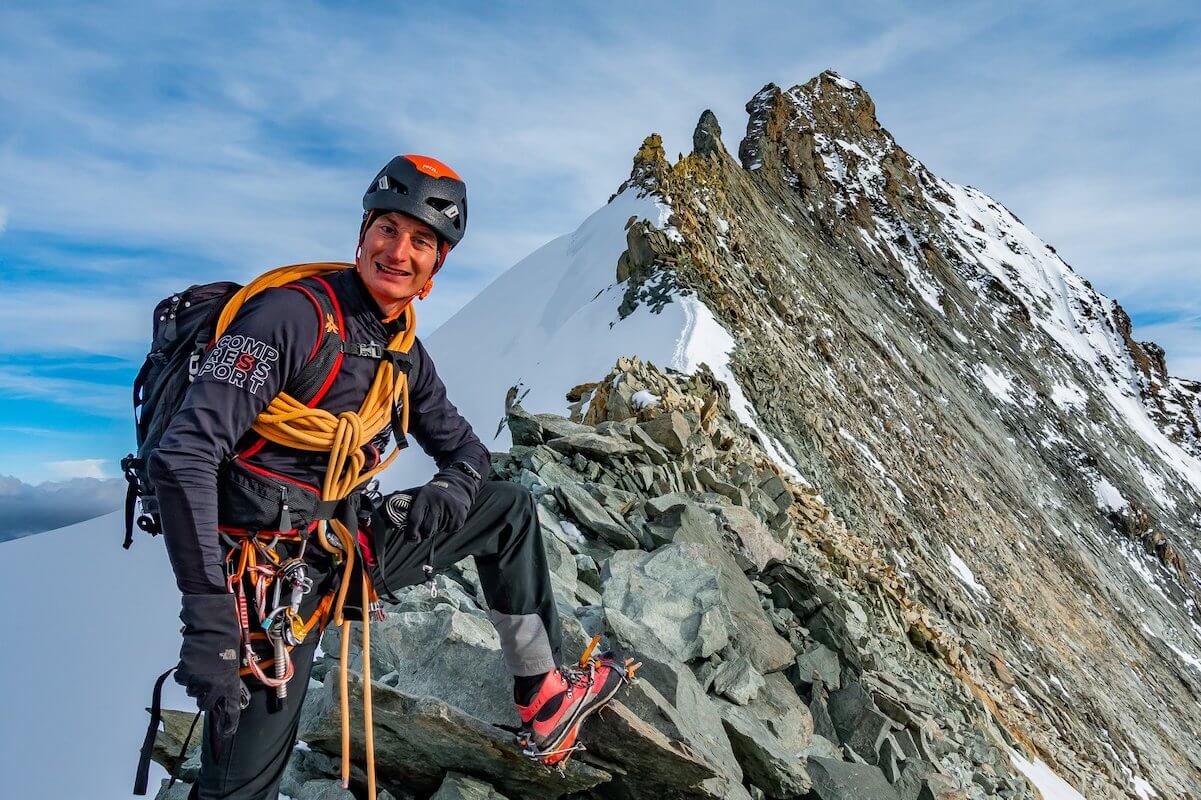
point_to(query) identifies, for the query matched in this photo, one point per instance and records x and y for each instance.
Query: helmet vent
(447, 207)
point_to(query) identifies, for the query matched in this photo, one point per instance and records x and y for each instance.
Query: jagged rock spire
(650, 166)
(706, 138)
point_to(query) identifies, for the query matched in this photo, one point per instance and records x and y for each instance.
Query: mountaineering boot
(551, 721)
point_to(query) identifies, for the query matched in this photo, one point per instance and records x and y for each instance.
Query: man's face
(397, 257)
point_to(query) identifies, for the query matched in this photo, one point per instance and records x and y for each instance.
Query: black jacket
(209, 445)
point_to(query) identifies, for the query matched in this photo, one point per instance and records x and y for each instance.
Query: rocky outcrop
(763, 676)
(1008, 455)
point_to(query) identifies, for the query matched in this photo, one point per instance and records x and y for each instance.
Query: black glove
(210, 660)
(441, 505)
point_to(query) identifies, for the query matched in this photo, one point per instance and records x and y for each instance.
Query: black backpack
(184, 325)
(183, 329)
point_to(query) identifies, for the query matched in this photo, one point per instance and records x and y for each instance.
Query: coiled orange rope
(288, 422)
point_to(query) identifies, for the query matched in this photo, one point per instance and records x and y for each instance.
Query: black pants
(502, 533)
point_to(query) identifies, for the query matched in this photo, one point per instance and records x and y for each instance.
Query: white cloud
(232, 165)
(94, 398)
(26, 509)
(78, 468)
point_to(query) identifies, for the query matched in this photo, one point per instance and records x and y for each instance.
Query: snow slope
(88, 629)
(550, 323)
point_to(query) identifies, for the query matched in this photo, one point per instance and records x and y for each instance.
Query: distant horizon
(148, 152)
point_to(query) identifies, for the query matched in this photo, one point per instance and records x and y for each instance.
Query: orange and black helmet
(423, 188)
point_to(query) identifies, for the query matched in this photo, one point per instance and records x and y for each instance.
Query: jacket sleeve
(265, 346)
(443, 433)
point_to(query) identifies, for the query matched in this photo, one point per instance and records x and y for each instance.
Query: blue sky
(147, 146)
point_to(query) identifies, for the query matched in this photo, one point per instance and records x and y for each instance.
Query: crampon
(567, 697)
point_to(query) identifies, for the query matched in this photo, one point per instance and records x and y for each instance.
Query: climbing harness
(290, 423)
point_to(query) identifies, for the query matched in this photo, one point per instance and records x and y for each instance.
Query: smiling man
(222, 487)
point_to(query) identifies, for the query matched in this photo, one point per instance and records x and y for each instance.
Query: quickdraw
(254, 558)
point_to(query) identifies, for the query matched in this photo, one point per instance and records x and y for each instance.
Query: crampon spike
(587, 654)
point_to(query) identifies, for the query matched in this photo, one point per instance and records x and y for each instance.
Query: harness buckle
(363, 350)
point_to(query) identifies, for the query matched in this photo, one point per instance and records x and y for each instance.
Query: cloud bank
(26, 509)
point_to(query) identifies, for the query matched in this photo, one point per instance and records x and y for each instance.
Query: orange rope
(288, 422)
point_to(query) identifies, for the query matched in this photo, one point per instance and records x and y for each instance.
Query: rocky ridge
(782, 657)
(968, 403)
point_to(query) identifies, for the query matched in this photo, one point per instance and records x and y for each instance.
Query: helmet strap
(443, 251)
(425, 290)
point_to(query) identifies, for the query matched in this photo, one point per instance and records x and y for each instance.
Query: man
(216, 478)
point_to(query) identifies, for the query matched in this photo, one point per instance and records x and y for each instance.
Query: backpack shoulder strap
(325, 360)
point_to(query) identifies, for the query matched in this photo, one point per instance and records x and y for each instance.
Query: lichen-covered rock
(841, 780)
(592, 515)
(685, 601)
(770, 735)
(448, 654)
(464, 787)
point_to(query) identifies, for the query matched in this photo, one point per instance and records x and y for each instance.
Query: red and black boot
(551, 721)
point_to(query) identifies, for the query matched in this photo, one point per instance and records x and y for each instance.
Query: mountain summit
(970, 406)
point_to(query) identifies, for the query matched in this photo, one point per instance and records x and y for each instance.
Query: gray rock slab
(686, 522)
(592, 515)
(687, 601)
(841, 780)
(779, 772)
(587, 572)
(307, 765)
(860, 725)
(756, 540)
(711, 481)
(655, 452)
(770, 737)
(652, 764)
(821, 746)
(775, 488)
(594, 446)
(819, 709)
(419, 739)
(737, 680)
(561, 561)
(668, 698)
(822, 662)
(554, 426)
(524, 429)
(178, 791)
(447, 654)
(464, 787)
(661, 504)
(324, 789)
(670, 431)
(169, 740)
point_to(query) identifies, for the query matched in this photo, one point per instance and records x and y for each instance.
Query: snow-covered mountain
(956, 391)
